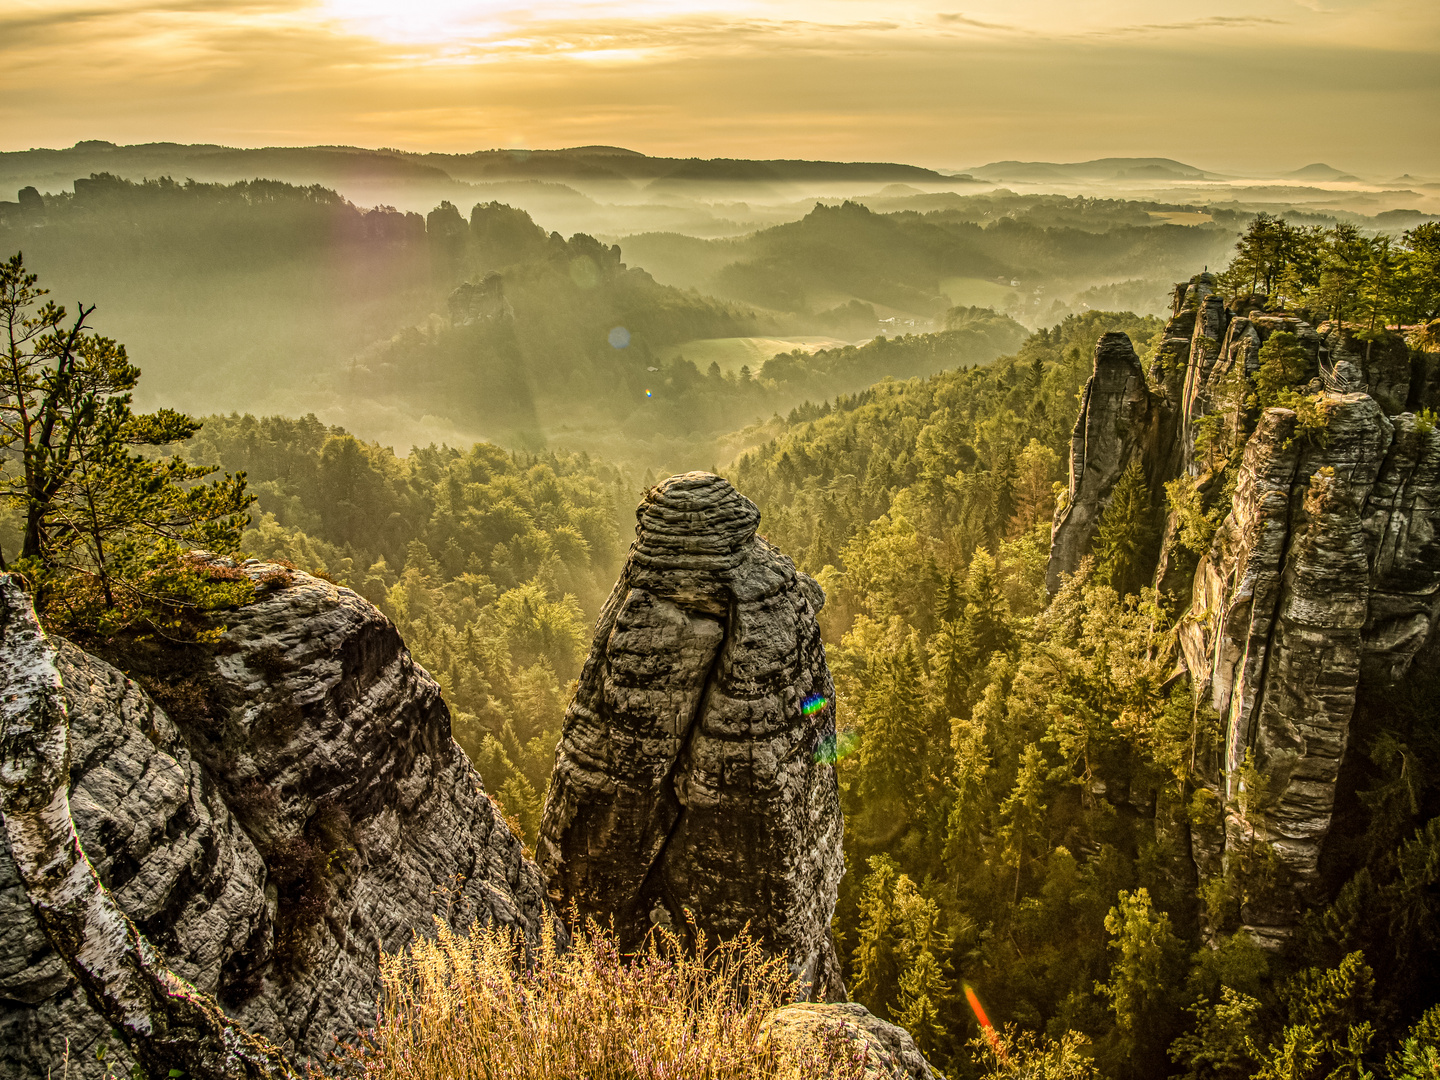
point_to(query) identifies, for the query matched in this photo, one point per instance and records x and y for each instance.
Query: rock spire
(694, 782)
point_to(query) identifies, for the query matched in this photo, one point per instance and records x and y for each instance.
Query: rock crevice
(296, 807)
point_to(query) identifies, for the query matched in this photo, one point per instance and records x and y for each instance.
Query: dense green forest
(1015, 773)
(445, 325)
(1372, 280)
(271, 284)
(1018, 776)
(546, 328)
(492, 565)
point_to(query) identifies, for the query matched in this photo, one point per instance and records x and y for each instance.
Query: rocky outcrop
(1323, 576)
(296, 806)
(1382, 362)
(810, 1036)
(694, 782)
(1116, 426)
(482, 301)
(104, 973)
(1298, 599)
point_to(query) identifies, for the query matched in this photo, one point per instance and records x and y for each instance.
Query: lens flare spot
(986, 1028)
(618, 337)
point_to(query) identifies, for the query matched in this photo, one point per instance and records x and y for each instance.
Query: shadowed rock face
(1287, 613)
(1116, 423)
(690, 782)
(298, 807)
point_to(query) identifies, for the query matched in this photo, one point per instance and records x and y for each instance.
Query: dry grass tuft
(469, 1007)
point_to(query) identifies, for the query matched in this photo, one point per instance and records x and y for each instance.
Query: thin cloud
(1229, 22)
(69, 16)
(957, 19)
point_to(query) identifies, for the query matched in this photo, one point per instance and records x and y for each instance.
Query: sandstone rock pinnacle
(1111, 431)
(695, 776)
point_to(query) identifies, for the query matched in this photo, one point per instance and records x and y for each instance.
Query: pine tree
(1023, 814)
(876, 979)
(985, 610)
(922, 993)
(1143, 976)
(92, 507)
(1126, 533)
(893, 743)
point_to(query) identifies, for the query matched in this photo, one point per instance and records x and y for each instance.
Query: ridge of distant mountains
(582, 164)
(1126, 168)
(329, 164)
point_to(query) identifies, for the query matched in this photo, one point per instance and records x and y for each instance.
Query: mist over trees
(390, 323)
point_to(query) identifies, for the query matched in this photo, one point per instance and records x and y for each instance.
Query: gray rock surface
(1277, 628)
(690, 782)
(71, 950)
(298, 807)
(1383, 363)
(1117, 423)
(809, 1033)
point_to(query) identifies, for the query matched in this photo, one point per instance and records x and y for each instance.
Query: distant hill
(1320, 171)
(1099, 169)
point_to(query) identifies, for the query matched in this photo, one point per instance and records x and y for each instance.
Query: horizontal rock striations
(1323, 575)
(297, 806)
(70, 950)
(694, 779)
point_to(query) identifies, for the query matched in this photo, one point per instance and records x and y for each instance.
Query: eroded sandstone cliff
(1322, 578)
(299, 807)
(695, 777)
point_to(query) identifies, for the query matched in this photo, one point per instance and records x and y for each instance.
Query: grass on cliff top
(467, 1007)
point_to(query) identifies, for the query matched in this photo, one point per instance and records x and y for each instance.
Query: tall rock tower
(694, 781)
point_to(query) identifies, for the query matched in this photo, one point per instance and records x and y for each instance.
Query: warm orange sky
(1259, 84)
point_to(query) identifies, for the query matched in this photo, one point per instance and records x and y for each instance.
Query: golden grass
(470, 1007)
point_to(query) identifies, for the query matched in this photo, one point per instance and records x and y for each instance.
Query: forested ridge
(1015, 773)
(903, 259)
(1019, 777)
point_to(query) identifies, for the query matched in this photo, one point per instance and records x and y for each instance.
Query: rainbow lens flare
(813, 704)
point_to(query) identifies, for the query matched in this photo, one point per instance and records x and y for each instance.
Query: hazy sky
(1258, 84)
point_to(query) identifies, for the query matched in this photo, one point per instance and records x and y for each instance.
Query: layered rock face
(1324, 573)
(694, 779)
(298, 807)
(105, 974)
